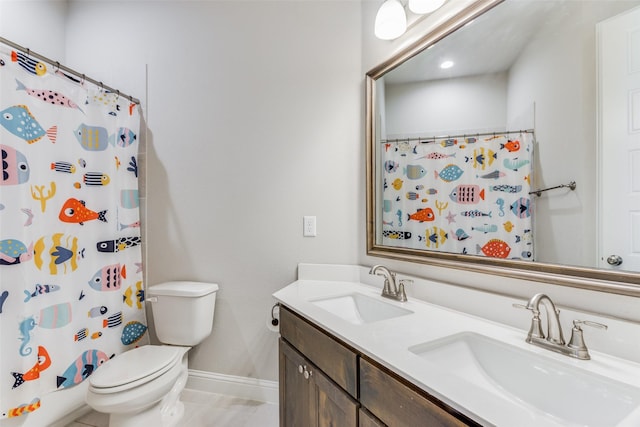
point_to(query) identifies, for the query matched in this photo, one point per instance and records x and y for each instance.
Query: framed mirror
(521, 156)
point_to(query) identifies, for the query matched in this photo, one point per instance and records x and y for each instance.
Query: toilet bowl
(143, 386)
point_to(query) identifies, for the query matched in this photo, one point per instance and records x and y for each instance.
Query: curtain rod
(434, 138)
(56, 64)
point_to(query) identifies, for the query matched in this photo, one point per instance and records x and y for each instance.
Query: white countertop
(388, 341)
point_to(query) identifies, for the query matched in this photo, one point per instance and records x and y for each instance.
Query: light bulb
(424, 6)
(391, 20)
(446, 64)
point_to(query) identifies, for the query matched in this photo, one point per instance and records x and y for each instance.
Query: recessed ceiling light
(446, 64)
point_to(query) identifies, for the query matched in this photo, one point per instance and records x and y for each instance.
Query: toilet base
(131, 408)
(153, 416)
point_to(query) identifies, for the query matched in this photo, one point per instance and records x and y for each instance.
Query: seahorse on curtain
(26, 326)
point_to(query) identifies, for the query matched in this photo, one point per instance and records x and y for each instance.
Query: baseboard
(246, 388)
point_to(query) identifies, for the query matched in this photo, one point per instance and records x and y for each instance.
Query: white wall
(556, 72)
(21, 21)
(254, 120)
(253, 110)
(447, 106)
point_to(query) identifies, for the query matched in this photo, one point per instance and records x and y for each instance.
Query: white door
(619, 141)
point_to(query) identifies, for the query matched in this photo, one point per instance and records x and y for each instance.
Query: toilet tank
(182, 311)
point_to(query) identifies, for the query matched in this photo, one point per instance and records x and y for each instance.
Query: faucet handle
(535, 312)
(577, 323)
(535, 330)
(386, 289)
(402, 296)
(577, 339)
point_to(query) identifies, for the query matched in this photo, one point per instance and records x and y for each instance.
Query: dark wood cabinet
(295, 394)
(308, 398)
(325, 382)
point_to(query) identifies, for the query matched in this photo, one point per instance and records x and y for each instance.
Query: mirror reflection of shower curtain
(71, 290)
(463, 195)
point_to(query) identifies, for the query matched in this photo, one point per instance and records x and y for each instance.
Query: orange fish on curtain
(44, 361)
(75, 211)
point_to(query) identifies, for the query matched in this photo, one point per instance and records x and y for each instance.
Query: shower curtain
(465, 195)
(71, 290)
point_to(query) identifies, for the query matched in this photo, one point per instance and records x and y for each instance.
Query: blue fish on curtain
(460, 195)
(71, 289)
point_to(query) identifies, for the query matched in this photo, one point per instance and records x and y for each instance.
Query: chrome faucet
(554, 340)
(554, 330)
(390, 289)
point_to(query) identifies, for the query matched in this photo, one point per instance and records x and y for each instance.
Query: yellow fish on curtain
(71, 291)
(466, 195)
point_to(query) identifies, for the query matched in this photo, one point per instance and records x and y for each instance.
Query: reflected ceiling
(473, 61)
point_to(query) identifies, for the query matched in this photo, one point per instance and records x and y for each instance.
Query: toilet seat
(135, 367)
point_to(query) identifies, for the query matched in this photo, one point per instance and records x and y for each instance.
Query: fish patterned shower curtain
(467, 195)
(71, 290)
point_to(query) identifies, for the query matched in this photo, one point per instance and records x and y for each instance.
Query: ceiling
(473, 48)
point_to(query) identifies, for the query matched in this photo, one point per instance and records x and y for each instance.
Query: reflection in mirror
(446, 182)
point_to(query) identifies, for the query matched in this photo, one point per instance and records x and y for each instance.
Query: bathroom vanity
(349, 357)
(324, 381)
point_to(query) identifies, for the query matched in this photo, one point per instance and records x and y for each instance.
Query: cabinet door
(365, 419)
(308, 398)
(335, 408)
(296, 405)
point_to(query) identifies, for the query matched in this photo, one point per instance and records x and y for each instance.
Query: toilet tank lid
(181, 288)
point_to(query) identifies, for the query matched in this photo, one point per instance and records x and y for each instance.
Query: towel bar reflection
(571, 186)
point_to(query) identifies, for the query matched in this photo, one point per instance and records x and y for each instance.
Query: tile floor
(208, 409)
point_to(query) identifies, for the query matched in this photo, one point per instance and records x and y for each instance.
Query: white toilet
(142, 386)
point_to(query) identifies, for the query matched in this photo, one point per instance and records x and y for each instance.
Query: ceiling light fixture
(424, 6)
(391, 20)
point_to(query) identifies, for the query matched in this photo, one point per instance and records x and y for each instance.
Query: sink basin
(571, 395)
(359, 309)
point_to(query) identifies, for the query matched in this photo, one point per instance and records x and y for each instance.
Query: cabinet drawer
(332, 357)
(398, 404)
